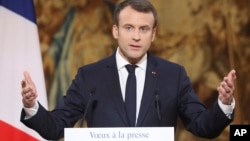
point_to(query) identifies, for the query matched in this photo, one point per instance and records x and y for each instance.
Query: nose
(136, 35)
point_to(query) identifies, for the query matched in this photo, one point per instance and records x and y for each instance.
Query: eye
(129, 28)
(144, 29)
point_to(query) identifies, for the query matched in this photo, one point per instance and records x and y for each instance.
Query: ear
(115, 31)
(153, 34)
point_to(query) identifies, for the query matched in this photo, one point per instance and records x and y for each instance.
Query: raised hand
(29, 92)
(226, 88)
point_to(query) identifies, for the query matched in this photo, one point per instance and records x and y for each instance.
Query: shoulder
(99, 65)
(164, 63)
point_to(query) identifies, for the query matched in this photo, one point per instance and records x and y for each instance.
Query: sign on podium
(120, 134)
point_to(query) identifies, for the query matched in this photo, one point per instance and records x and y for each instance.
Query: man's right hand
(29, 92)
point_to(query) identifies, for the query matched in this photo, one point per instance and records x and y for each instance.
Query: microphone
(92, 92)
(157, 103)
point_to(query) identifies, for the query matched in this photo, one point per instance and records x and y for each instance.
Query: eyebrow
(143, 26)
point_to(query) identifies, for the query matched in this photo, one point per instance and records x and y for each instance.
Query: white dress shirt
(140, 73)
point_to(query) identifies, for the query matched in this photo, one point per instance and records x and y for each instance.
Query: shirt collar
(121, 62)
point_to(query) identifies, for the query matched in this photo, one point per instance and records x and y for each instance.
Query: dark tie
(130, 95)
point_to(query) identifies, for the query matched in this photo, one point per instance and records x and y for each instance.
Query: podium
(120, 134)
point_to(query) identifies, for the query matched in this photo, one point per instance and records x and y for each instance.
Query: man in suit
(163, 90)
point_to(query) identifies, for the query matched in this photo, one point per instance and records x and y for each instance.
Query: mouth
(135, 46)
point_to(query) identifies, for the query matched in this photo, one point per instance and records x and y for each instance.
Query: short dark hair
(138, 5)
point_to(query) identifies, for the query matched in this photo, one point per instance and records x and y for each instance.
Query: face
(135, 33)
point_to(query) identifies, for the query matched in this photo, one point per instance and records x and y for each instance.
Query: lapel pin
(153, 72)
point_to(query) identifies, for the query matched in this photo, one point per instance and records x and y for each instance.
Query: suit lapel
(112, 78)
(149, 89)
(148, 97)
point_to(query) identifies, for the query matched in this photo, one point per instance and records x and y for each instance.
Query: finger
(224, 97)
(26, 88)
(27, 77)
(232, 75)
(29, 88)
(221, 90)
(29, 96)
(230, 78)
(229, 84)
(224, 90)
(23, 83)
(25, 91)
(226, 86)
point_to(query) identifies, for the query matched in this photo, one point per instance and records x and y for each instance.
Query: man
(163, 90)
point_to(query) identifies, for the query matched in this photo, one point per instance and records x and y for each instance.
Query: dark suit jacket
(164, 79)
